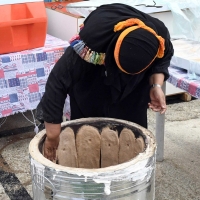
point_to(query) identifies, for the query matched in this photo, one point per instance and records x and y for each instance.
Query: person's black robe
(103, 90)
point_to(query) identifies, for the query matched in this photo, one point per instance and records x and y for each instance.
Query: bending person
(114, 68)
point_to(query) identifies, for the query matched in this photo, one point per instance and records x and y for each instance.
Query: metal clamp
(59, 6)
(146, 5)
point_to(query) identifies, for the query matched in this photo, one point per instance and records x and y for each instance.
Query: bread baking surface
(109, 147)
(66, 152)
(140, 145)
(88, 147)
(127, 145)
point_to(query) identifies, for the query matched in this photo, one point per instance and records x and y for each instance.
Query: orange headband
(140, 24)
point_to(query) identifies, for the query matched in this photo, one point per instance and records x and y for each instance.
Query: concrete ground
(177, 177)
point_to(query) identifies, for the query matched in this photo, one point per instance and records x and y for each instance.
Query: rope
(36, 129)
(3, 121)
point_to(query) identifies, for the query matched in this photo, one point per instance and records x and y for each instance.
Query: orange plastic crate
(22, 26)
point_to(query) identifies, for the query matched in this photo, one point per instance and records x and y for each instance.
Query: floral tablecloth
(23, 75)
(181, 79)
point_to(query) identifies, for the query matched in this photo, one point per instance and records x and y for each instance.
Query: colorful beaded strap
(85, 52)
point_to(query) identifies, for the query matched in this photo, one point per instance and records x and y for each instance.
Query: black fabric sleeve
(56, 90)
(161, 64)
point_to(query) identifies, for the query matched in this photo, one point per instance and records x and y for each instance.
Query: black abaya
(103, 90)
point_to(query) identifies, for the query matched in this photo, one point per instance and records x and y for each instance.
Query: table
(178, 77)
(181, 79)
(23, 75)
(60, 17)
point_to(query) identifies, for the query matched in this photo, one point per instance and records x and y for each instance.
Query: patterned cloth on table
(23, 75)
(179, 78)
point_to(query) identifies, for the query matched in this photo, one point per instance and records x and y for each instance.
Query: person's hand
(52, 140)
(49, 148)
(158, 103)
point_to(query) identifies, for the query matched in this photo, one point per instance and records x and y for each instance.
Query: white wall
(3, 2)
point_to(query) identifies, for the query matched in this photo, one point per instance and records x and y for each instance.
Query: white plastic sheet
(84, 8)
(186, 17)
(3, 2)
(186, 13)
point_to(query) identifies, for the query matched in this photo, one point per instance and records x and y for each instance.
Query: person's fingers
(50, 156)
(163, 107)
(49, 152)
(156, 108)
(54, 154)
(163, 104)
(163, 110)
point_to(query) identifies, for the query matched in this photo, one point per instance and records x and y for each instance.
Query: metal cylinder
(132, 180)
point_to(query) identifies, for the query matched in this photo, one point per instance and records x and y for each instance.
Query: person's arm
(157, 79)
(158, 103)
(159, 74)
(52, 140)
(52, 103)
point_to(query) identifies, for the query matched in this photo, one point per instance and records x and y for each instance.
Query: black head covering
(137, 50)
(98, 34)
